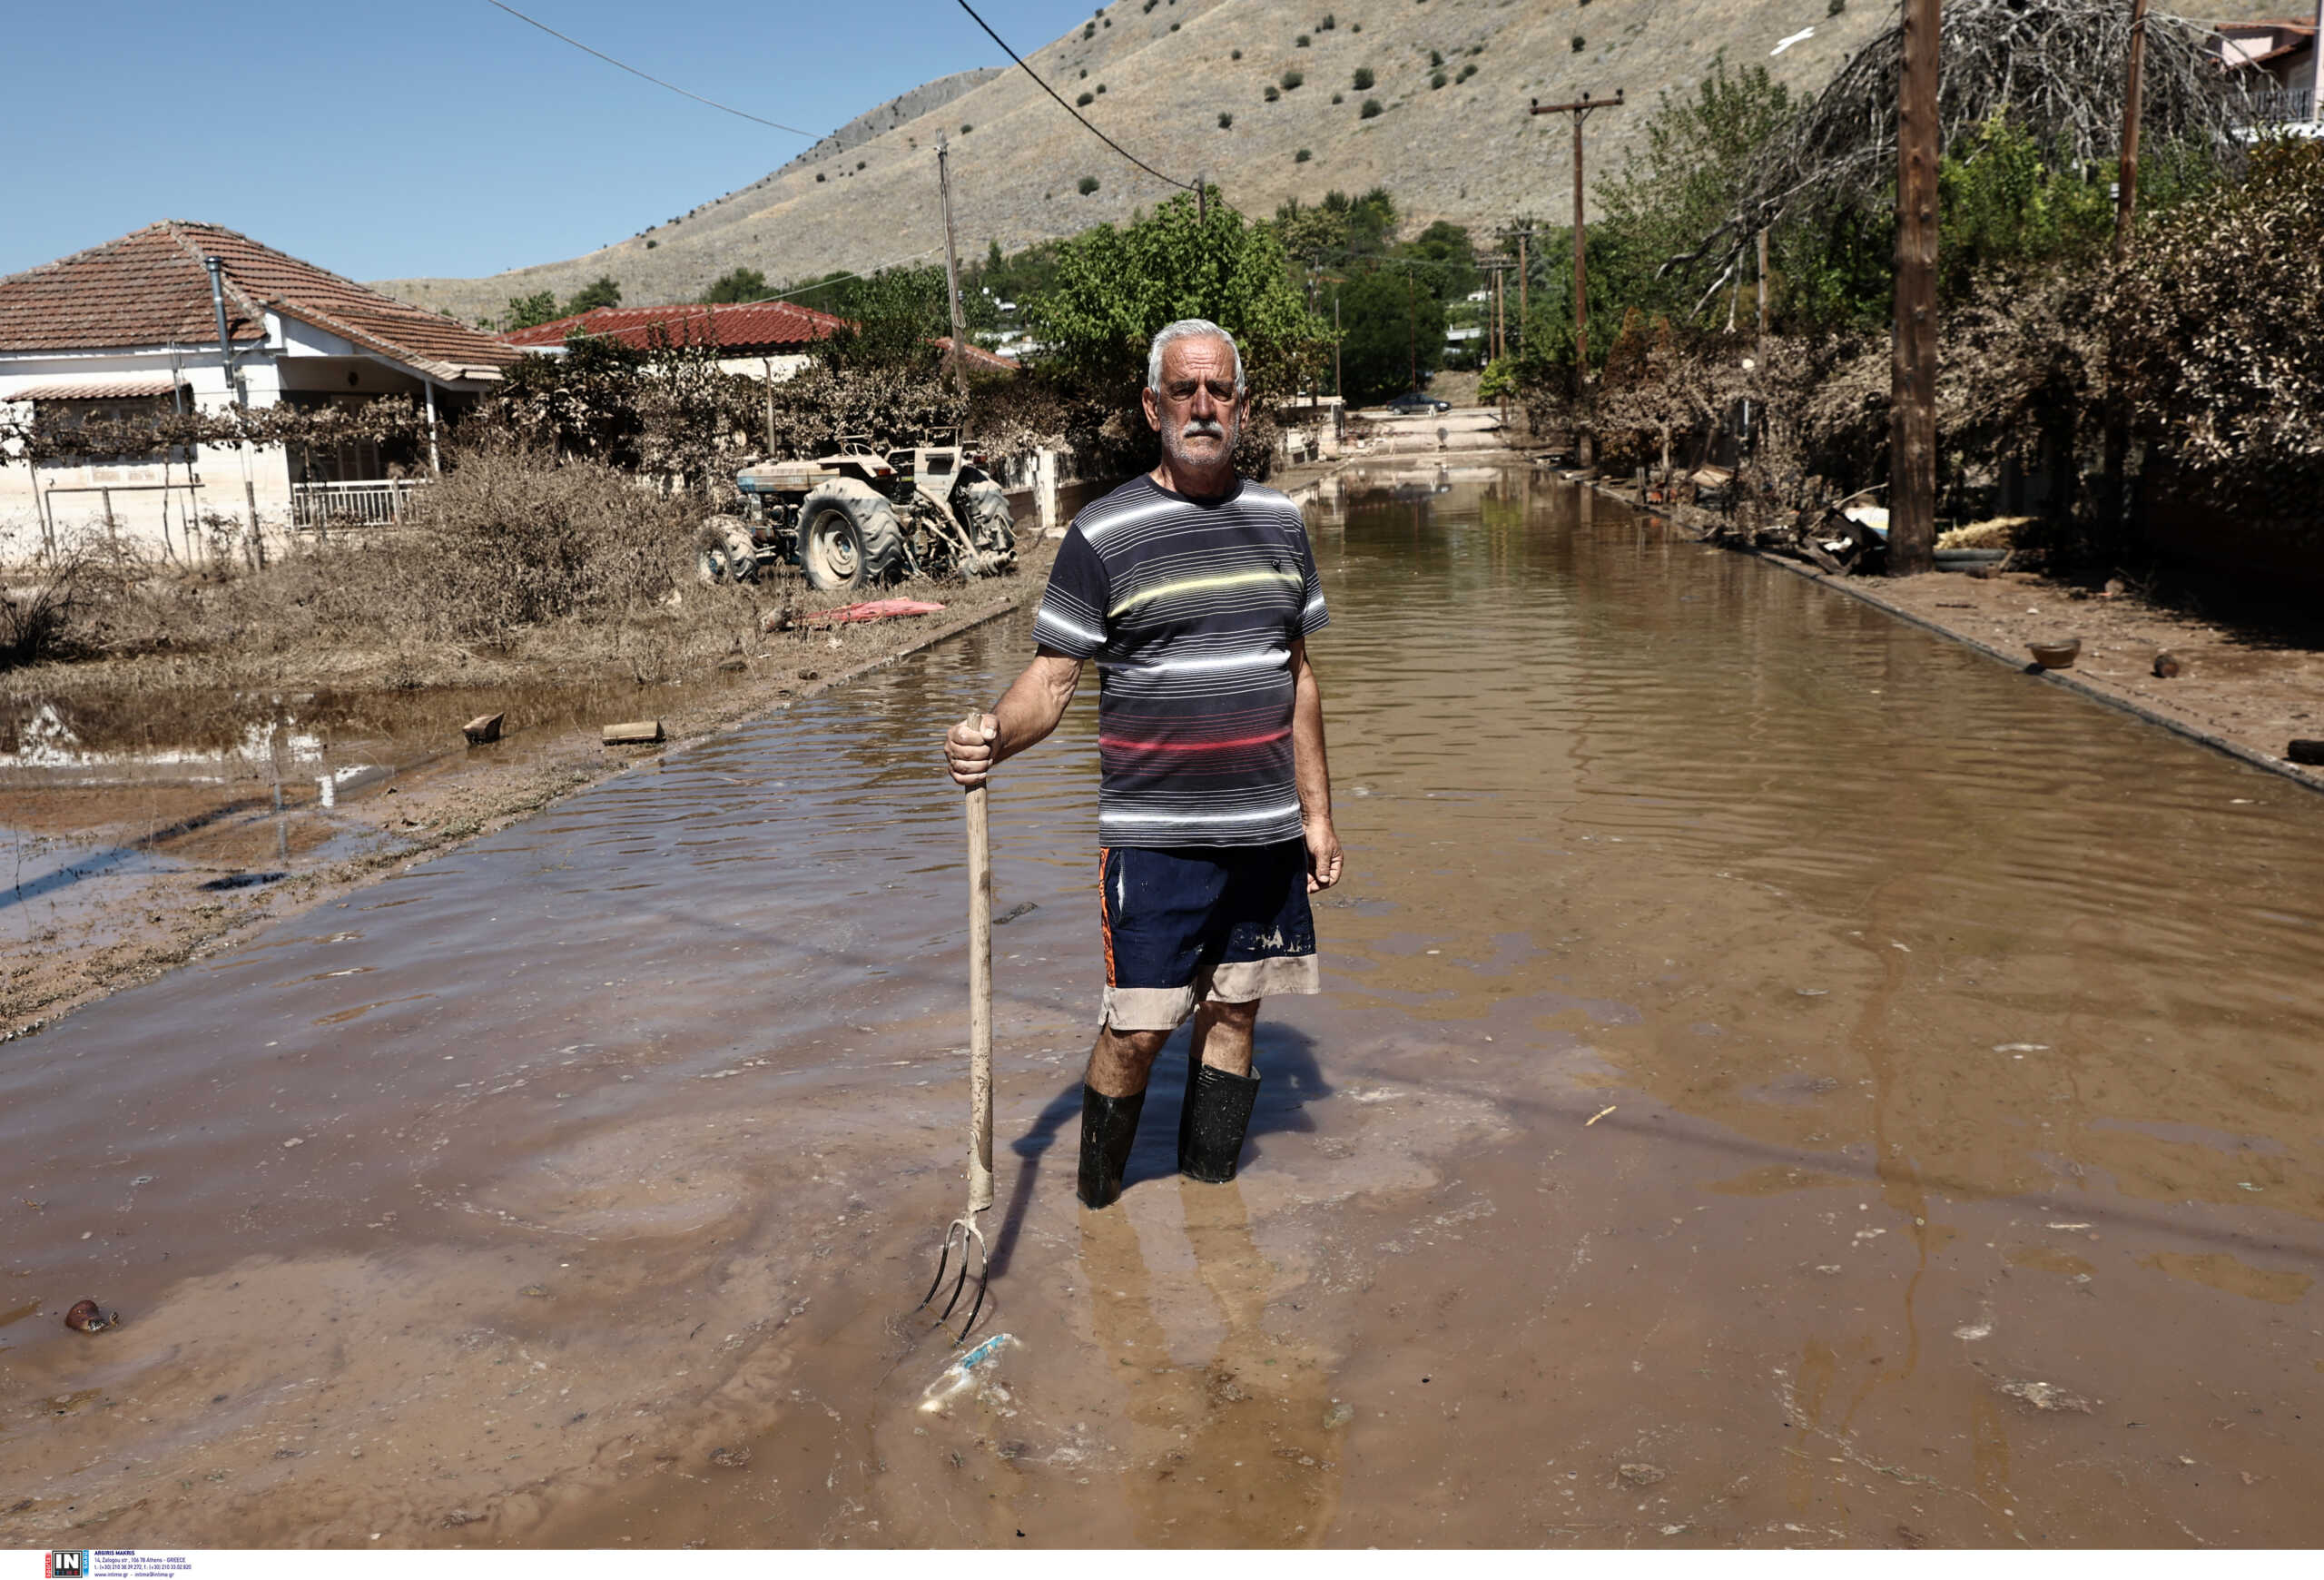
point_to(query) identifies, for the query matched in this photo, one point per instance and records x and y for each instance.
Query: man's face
(1196, 411)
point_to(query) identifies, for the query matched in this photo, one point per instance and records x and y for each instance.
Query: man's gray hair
(1187, 329)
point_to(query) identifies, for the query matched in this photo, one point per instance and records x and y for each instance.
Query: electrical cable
(1052, 92)
(657, 82)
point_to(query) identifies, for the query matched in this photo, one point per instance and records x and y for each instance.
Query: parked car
(1413, 400)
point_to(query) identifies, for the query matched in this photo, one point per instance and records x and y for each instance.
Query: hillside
(1162, 72)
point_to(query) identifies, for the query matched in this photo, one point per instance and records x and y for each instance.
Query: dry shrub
(53, 614)
(511, 539)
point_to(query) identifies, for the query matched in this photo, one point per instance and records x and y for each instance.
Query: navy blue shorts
(1227, 923)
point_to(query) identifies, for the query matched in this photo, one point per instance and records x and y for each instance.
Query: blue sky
(438, 137)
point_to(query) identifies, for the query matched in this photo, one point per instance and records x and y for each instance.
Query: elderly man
(1194, 591)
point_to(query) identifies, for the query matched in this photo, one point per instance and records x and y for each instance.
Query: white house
(132, 327)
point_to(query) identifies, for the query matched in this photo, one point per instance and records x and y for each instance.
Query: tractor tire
(723, 554)
(992, 526)
(848, 535)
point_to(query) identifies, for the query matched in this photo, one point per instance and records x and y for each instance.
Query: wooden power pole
(2126, 192)
(1912, 443)
(1579, 110)
(953, 271)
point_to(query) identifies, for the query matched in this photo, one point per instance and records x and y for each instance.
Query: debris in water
(1595, 1118)
(2310, 753)
(2167, 666)
(484, 729)
(1970, 1332)
(960, 1374)
(88, 1317)
(1022, 908)
(1338, 1416)
(732, 1458)
(2021, 1047)
(1643, 1475)
(2044, 1396)
(644, 732)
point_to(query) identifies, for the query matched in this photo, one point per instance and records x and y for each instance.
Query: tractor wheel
(992, 526)
(723, 553)
(848, 535)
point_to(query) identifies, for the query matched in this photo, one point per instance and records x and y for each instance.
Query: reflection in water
(1239, 1451)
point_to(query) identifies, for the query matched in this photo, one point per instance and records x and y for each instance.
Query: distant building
(760, 340)
(130, 329)
(764, 340)
(2276, 62)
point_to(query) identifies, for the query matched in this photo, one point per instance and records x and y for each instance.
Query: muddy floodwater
(1784, 1079)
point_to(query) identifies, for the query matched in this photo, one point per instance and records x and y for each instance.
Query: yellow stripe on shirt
(1204, 584)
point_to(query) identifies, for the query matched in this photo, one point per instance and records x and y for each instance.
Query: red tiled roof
(745, 327)
(975, 356)
(148, 288)
(111, 389)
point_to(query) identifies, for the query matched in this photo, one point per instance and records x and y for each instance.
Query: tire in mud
(848, 535)
(992, 526)
(723, 554)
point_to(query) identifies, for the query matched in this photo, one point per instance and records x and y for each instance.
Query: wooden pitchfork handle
(979, 999)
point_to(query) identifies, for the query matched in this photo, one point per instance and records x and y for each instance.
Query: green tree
(1389, 319)
(738, 284)
(1688, 177)
(1453, 256)
(605, 291)
(1114, 288)
(525, 312)
(895, 317)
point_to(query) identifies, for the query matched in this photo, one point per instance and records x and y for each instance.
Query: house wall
(150, 517)
(783, 369)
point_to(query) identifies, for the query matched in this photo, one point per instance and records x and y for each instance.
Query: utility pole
(1579, 110)
(1912, 401)
(1763, 284)
(2126, 191)
(1202, 198)
(1500, 314)
(953, 271)
(1336, 393)
(1523, 237)
(216, 268)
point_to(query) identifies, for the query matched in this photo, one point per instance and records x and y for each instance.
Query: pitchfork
(964, 1228)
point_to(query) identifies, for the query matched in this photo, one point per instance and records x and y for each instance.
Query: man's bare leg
(1223, 1035)
(1120, 1062)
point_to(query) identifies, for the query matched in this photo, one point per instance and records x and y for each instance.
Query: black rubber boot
(1109, 1128)
(1217, 1112)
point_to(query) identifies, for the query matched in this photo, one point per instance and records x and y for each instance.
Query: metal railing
(2279, 107)
(322, 506)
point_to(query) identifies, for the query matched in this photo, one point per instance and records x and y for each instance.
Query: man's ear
(1153, 409)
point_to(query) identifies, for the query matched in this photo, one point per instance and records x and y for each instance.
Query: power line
(1052, 92)
(657, 82)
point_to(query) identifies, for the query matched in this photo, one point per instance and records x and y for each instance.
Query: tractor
(862, 515)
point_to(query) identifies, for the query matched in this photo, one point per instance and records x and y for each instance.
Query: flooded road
(1783, 1080)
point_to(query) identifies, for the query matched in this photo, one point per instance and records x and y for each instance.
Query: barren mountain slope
(1467, 152)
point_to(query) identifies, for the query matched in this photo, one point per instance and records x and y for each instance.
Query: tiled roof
(975, 356)
(111, 389)
(747, 327)
(148, 288)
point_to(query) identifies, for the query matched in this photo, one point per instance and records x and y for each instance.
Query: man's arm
(1022, 718)
(1313, 774)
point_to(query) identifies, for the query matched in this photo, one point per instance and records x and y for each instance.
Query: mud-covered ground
(171, 844)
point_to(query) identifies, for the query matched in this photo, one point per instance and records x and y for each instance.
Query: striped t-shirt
(1190, 608)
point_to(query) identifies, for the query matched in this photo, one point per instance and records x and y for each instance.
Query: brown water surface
(1784, 1079)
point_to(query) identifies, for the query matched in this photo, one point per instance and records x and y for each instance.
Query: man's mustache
(1202, 427)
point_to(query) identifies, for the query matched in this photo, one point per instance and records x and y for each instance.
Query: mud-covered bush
(512, 537)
